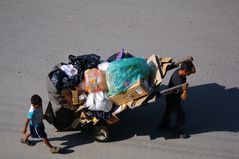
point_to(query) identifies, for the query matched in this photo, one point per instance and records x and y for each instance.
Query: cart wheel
(101, 133)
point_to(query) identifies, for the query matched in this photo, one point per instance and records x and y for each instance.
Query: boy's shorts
(38, 132)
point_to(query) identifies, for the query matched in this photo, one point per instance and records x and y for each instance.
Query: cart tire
(101, 133)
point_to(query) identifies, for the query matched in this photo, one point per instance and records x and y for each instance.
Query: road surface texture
(37, 34)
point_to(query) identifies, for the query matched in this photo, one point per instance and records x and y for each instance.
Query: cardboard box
(164, 62)
(136, 91)
(158, 68)
(155, 77)
(75, 98)
(136, 103)
(120, 109)
(114, 119)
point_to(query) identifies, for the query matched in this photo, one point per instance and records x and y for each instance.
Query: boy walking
(35, 121)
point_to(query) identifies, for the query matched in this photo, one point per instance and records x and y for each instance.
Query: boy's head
(36, 101)
(188, 68)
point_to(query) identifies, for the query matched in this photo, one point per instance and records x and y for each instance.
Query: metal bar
(172, 89)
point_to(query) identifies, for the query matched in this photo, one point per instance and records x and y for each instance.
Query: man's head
(187, 68)
(36, 101)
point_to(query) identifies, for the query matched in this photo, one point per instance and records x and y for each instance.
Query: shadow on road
(75, 139)
(212, 107)
(209, 108)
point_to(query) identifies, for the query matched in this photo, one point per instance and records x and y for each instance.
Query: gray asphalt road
(35, 35)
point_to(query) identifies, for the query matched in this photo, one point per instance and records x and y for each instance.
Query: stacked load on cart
(90, 90)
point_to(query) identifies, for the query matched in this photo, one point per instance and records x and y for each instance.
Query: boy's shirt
(35, 116)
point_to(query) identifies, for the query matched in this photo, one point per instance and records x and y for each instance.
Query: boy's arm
(24, 130)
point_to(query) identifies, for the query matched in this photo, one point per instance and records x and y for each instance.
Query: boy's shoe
(27, 142)
(55, 149)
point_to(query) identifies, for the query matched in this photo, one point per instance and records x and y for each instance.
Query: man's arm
(184, 94)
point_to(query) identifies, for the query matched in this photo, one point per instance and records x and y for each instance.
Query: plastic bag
(84, 62)
(121, 74)
(61, 80)
(119, 55)
(57, 77)
(69, 70)
(98, 101)
(95, 80)
(103, 66)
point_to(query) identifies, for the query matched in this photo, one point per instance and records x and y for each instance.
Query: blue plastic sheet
(121, 74)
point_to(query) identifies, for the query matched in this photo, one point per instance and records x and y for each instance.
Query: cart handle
(172, 89)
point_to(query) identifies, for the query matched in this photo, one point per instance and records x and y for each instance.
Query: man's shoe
(164, 128)
(184, 135)
(179, 130)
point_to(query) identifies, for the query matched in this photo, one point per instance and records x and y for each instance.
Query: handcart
(64, 117)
